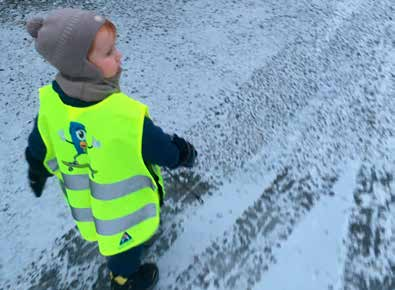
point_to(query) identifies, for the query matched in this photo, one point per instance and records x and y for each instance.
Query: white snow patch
(313, 256)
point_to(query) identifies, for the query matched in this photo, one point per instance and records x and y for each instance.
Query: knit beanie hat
(64, 38)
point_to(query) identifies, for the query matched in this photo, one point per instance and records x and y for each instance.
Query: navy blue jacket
(157, 147)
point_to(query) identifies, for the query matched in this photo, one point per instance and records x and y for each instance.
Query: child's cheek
(110, 67)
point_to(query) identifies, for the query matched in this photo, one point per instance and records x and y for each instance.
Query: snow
(312, 258)
(291, 107)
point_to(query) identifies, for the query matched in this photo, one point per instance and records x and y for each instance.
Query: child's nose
(119, 55)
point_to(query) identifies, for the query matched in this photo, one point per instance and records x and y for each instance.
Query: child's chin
(113, 74)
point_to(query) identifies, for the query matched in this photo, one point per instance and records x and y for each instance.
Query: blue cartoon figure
(78, 137)
(78, 140)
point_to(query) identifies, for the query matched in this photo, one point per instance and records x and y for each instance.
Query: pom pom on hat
(34, 25)
(64, 37)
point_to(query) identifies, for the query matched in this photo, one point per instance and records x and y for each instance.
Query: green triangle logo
(125, 238)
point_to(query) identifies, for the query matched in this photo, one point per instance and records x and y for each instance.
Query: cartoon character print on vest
(78, 140)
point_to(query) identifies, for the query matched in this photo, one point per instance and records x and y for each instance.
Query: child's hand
(36, 182)
(188, 153)
(190, 156)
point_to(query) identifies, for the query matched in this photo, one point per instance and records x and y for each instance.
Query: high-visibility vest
(96, 153)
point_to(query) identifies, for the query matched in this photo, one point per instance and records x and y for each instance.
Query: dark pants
(125, 263)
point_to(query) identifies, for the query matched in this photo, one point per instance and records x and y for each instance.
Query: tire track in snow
(344, 119)
(370, 262)
(370, 244)
(225, 262)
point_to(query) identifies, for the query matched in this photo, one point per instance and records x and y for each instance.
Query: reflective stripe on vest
(107, 191)
(112, 227)
(82, 214)
(76, 181)
(79, 214)
(122, 188)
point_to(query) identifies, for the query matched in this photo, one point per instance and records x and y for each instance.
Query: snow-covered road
(291, 105)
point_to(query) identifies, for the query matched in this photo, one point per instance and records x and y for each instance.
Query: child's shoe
(144, 279)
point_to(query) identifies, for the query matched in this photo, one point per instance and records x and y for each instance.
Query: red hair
(107, 26)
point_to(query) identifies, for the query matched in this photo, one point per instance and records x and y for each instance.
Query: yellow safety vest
(95, 152)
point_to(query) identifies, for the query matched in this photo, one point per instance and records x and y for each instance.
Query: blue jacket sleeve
(157, 146)
(35, 152)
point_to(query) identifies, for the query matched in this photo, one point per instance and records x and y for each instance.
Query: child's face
(104, 54)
